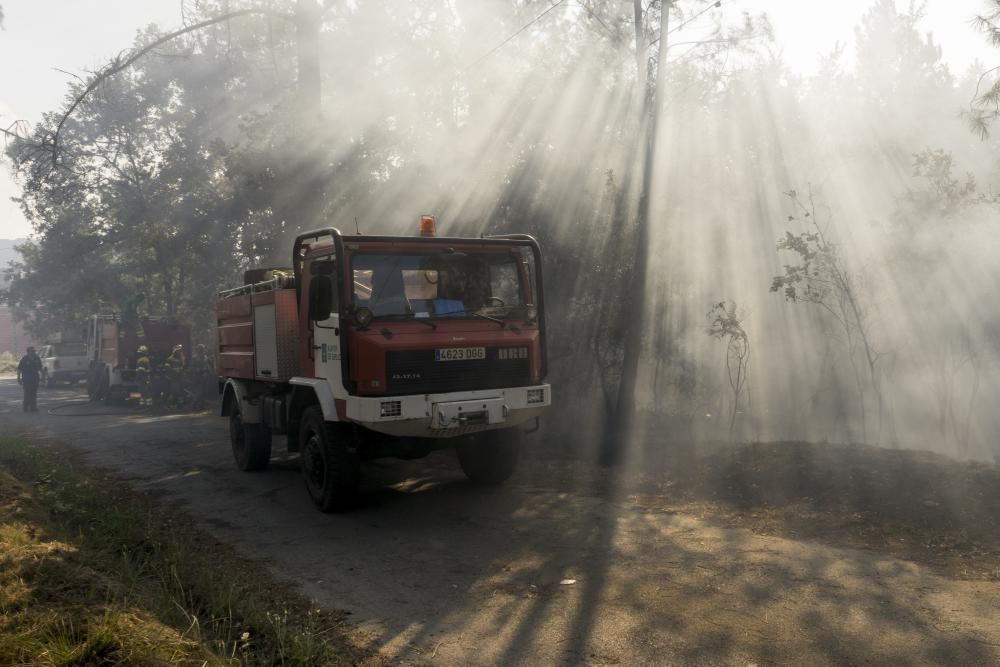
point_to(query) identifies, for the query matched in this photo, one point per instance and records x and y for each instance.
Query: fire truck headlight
(363, 317)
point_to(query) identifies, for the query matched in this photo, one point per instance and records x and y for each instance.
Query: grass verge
(93, 573)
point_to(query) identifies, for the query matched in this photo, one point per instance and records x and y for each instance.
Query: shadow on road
(546, 570)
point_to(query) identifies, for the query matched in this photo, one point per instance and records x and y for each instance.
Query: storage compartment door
(265, 340)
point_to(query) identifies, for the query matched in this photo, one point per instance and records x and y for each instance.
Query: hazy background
(836, 130)
(44, 36)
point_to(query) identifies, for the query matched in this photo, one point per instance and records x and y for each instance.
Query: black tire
(93, 384)
(107, 392)
(330, 466)
(251, 443)
(490, 457)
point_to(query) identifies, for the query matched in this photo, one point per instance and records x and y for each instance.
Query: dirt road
(434, 570)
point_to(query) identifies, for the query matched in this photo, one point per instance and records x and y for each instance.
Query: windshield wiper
(408, 316)
(475, 314)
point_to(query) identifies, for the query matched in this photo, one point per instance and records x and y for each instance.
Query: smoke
(495, 117)
(421, 115)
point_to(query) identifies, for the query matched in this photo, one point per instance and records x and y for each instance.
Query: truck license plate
(460, 354)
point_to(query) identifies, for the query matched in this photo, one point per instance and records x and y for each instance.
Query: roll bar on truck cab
(386, 346)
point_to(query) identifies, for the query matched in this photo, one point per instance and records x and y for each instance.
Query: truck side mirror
(321, 295)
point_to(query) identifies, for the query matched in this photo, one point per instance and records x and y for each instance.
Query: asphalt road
(435, 570)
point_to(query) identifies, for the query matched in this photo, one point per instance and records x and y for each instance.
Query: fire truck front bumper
(450, 414)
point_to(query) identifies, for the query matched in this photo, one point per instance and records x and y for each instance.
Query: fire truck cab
(375, 346)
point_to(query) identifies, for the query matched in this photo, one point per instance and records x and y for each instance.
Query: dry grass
(91, 573)
(57, 609)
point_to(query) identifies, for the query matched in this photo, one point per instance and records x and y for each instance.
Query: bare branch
(75, 76)
(121, 63)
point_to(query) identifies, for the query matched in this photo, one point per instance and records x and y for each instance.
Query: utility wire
(714, 5)
(522, 29)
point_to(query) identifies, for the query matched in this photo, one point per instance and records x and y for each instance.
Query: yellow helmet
(143, 349)
(178, 347)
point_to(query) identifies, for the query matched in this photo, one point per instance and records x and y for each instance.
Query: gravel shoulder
(700, 569)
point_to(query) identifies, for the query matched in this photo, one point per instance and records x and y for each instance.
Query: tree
(936, 234)
(620, 425)
(652, 78)
(727, 325)
(822, 278)
(984, 108)
(138, 202)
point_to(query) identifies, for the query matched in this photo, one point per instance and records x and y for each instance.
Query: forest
(733, 250)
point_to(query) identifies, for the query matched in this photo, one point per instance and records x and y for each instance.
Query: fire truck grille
(417, 371)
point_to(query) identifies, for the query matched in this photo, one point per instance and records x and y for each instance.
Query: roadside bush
(8, 363)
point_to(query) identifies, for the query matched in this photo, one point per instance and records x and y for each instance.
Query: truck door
(324, 318)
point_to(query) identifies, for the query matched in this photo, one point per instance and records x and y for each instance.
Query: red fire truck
(376, 346)
(112, 351)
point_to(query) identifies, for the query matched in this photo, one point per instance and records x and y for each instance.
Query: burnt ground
(782, 553)
(915, 505)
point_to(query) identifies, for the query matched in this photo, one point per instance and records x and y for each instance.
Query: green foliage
(141, 199)
(984, 109)
(897, 61)
(936, 167)
(812, 279)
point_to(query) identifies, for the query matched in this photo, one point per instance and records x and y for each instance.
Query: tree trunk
(621, 423)
(308, 18)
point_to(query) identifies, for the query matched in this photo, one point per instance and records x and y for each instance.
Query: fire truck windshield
(442, 285)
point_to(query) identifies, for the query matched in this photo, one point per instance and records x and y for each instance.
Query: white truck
(63, 362)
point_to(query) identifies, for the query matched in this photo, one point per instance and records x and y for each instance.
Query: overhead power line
(522, 29)
(714, 5)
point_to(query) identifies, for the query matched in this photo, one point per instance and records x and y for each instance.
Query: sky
(41, 36)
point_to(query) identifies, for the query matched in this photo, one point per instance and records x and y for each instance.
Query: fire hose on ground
(56, 410)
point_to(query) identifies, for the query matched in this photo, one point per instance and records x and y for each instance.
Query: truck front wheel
(107, 391)
(489, 457)
(330, 467)
(251, 443)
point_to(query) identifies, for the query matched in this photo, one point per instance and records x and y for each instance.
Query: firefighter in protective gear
(174, 367)
(143, 370)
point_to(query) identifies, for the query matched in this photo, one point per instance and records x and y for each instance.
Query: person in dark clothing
(29, 372)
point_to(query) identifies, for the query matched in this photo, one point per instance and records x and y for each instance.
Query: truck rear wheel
(251, 443)
(330, 467)
(489, 457)
(106, 393)
(95, 378)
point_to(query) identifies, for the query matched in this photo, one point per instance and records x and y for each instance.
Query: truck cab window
(505, 285)
(440, 284)
(323, 301)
